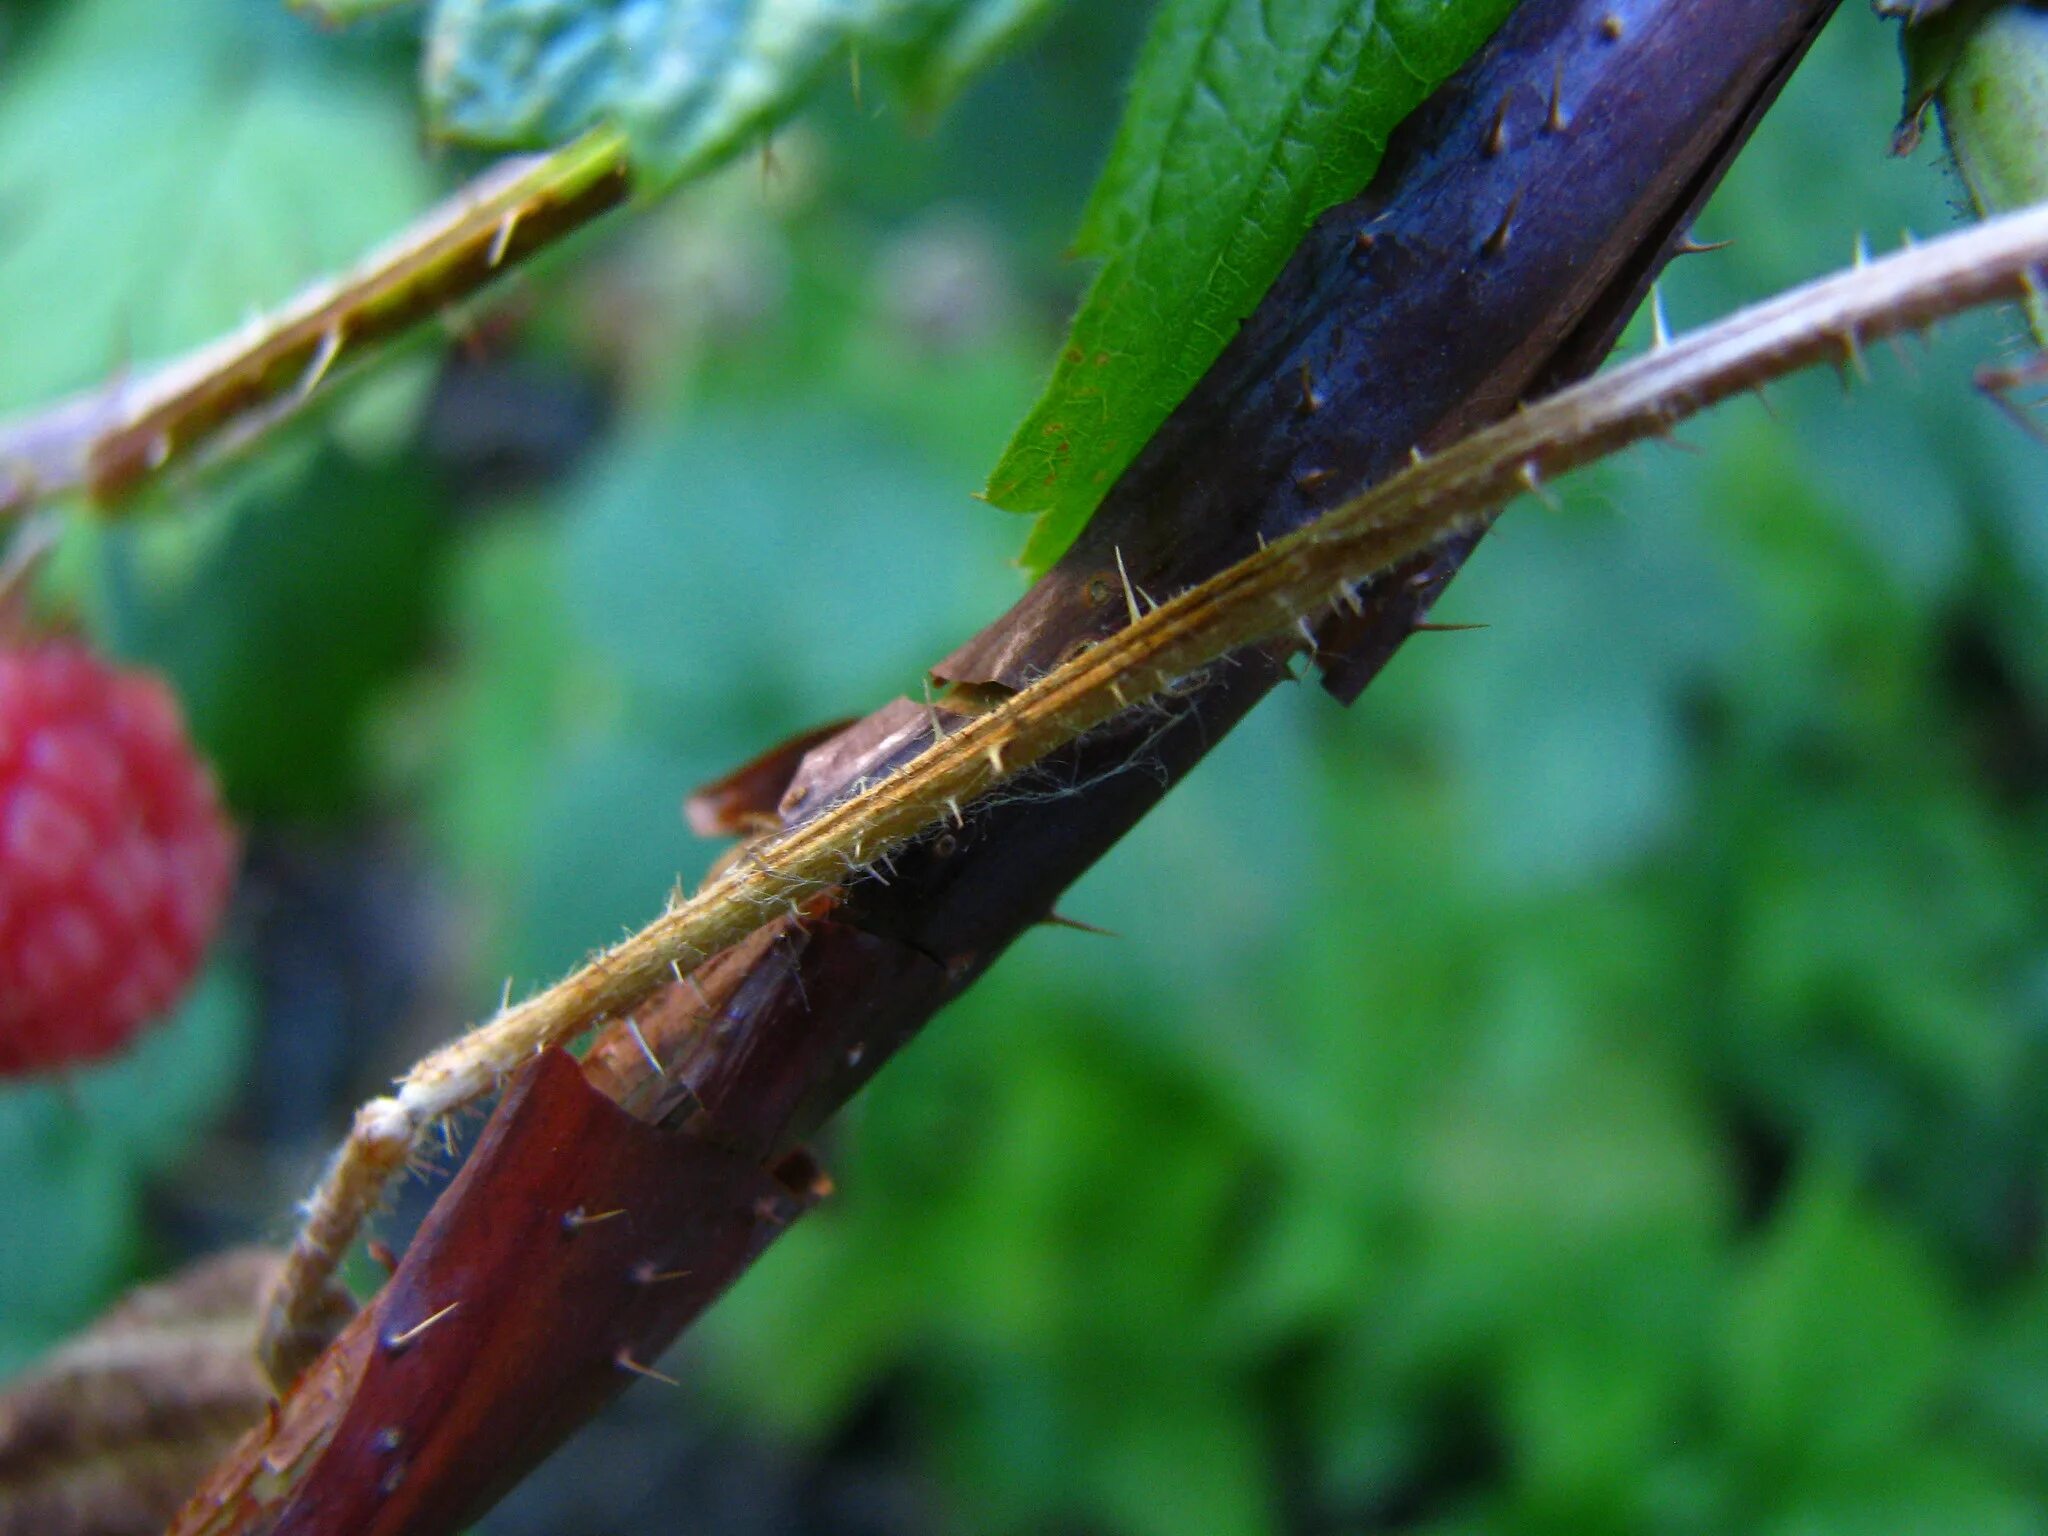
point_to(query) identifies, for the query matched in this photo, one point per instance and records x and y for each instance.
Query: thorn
(501, 240)
(1308, 634)
(1660, 328)
(1497, 136)
(1311, 480)
(1311, 401)
(1764, 399)
(1852, 358)
(1997, 384)
(575, 1220)
(1130, 591)
(1556, 120)
(1532, 481)
(1687, 246)
(1416, 456)
(633, 1029)
(1061, 920)
(394, 1342)
(624, 1361)
(1347, 594)
(1860, 256)
(1497, 242)
(644, 1273)
(1444, 629)
(995, 759)
(323, 359)
(505, 995)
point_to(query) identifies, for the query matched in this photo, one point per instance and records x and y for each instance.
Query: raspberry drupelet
(115, 855)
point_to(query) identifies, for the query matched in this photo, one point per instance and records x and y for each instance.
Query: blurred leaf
(1839, 1337)
(1186, 1456)
(155, 1102)
(505, 711)
(164, 169)
(1933, 1490)
(280, 628)
(340, 12)
(1245, 122)
(1573, 749)
(740, 573)
(690, 82)
(75, 1151)
(73, 1222)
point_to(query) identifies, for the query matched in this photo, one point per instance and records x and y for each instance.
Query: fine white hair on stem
(1256, 600)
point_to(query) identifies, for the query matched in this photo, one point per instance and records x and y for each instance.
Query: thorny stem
(110, 441)
(1262, 597)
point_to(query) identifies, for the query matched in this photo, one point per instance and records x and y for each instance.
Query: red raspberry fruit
(115, 856)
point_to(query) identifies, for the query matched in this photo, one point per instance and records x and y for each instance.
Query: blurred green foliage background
(1598, 1084)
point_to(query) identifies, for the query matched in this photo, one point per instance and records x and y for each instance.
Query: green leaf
(1245, 122)
(690, 82)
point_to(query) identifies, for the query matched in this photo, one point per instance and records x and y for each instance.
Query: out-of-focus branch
(109, 442)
